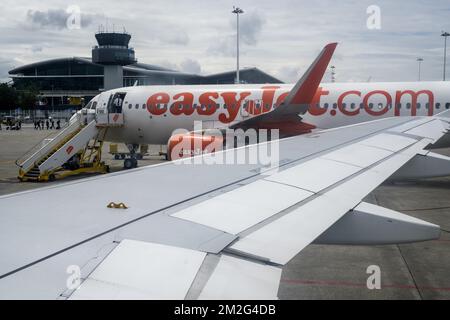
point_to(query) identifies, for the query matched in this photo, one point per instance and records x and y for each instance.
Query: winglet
(305, 89)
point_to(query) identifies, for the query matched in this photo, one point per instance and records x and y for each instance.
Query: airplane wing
(200, 229)
(286, 117)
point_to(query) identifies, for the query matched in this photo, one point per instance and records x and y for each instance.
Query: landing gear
(130, 163)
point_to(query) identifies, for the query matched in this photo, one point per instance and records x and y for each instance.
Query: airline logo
(69, 149)
(208, 103)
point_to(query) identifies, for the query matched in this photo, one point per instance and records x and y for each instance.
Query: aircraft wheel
(128, 164)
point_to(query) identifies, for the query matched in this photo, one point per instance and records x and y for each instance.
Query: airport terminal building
(73, 81)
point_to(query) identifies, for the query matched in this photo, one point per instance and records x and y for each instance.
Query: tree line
(11, 98)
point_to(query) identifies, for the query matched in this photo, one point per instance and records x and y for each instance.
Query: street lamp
(237, 11)
(420, 61)
(445, 35)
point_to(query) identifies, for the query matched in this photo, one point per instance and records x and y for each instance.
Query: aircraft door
(115, 108)
(101, 111)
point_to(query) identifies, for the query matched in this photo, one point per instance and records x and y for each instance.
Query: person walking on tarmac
(47, 124)
(52, 124)
(58, 124)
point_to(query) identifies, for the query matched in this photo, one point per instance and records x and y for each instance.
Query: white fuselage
(152, 113)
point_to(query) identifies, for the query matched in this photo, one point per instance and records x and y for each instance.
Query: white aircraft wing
(194, 229)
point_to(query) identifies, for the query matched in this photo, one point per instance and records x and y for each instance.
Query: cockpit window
(88, 106)
(94, 105)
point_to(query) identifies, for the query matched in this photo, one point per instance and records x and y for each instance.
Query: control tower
(113, 53)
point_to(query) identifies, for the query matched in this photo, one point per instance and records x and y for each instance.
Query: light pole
(445, 35)
(420, 61)
(237, 11)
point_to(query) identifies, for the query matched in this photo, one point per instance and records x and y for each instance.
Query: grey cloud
(5, 65)
(223, 47)
(190, 66)
(385, 56)
(56, 18)
(177, 38)
(36, 48)
(288, 74)
(251, 25)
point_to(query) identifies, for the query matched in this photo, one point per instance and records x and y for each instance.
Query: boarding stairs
(76, 149)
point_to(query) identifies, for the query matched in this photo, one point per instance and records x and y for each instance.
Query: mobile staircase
(76, 149)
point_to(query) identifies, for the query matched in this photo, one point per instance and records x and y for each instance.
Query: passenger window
(224, 106)
(352, 106)
(447, 105)
(130, 106)
(361, 105)
(380, 106)
(344, 105)
(334, 105)
(144, 106)
(438, 105)
(326, 105)
(371, 105)
(137, 106)
(418, 105)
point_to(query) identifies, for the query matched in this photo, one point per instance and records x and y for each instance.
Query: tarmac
(407, 271)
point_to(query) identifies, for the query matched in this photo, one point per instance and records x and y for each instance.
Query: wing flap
(432, 129)
(142, 270)
(244, 207)
(236, 278)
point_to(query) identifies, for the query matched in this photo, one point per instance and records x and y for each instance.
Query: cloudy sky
(280, 37)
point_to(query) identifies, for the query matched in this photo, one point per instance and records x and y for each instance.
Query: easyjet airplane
(236, 225)
(150, 114)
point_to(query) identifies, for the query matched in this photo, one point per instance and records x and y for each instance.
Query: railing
(28, 160)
